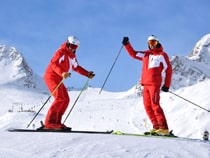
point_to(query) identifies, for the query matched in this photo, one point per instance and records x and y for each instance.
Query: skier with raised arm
(155, 61)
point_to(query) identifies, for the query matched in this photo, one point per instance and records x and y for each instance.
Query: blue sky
(37, 28)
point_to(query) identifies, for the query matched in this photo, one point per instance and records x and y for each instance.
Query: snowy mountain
(193, 68)
(15, 71)
(201, 51)
(119, 111)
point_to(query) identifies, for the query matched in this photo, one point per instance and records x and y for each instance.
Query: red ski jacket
(62, 61)
(155, 61)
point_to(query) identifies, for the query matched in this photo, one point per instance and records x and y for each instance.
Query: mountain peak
(195, 67)
(15, 69)
(201, 51)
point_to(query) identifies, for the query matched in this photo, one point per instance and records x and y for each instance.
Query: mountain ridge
(187, 70)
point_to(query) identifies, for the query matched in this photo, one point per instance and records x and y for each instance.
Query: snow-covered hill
(122, 111)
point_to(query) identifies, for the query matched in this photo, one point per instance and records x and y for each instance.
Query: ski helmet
(152, 38)
(73, 40)
(153, 42)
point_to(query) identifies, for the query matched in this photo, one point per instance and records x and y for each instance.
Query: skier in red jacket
(63, 60)
(155, 61)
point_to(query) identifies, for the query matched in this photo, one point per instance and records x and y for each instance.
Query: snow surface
(100, 112)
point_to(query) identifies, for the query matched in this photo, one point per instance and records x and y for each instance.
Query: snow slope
(118, 111)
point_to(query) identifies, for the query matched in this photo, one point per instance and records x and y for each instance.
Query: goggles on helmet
(73, 46)
(152, 43)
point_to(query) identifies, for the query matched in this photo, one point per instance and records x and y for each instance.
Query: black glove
(165, 89)
(90, 74)
(125, 40)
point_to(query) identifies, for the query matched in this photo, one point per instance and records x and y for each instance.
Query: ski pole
(111, 69)
(189, 101)
(83, 88)
(56, 88)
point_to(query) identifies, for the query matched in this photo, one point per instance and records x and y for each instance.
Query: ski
(111, 132)
(60, 131)
(146, 134)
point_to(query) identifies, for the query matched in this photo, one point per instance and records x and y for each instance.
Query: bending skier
(155, 61)
(58, 69)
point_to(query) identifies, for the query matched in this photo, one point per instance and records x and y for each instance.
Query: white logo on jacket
(74, 62)
(61, 59)
(155, 60)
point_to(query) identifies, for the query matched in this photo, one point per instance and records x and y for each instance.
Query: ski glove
(125, 40)
(90, 74)
(66, 75)
(165, 89)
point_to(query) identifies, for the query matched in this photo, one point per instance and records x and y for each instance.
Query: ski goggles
(152, 43)
(73, 46)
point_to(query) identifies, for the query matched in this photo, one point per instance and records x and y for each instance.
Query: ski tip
(10, 129)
